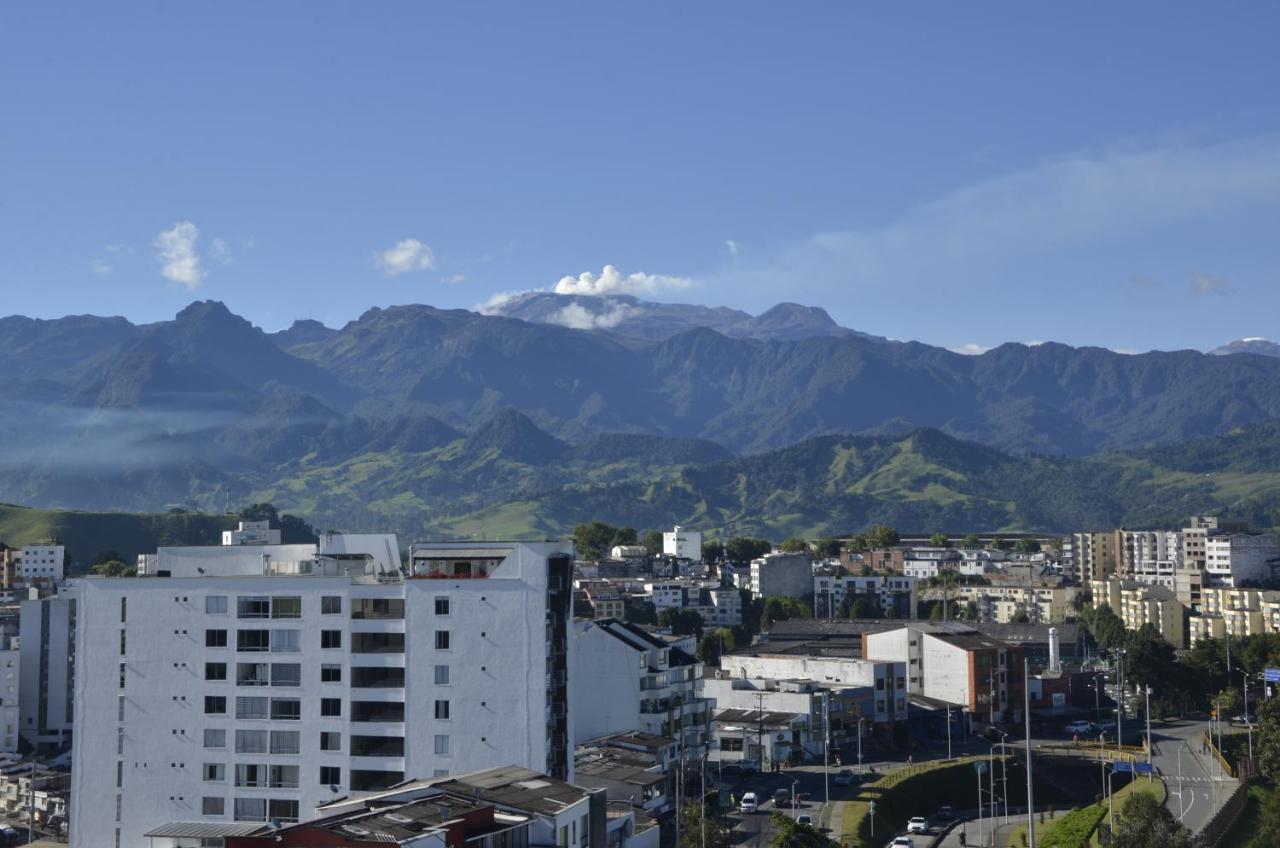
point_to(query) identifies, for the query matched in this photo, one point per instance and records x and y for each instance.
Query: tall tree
(793, 545)
(653, 542)
(939, 540)
(882, 536)
(1144, 822)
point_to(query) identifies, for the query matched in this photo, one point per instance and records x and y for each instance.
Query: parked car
(945, 814)
(805, 819)
(750, 803)
(1078, 727)
(781, 798)
(845, 777)
(918, 824)
(1244, 719)
(903, 842)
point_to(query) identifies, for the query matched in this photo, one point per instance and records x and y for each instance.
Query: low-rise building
(780, 575)
(682, 543)
(885, 678)
(252, 533)
(834, 594)
(1136, 604)
(46, 561)
(766, 740)
(1234, 558)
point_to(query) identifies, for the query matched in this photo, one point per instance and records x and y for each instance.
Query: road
(1176, 750)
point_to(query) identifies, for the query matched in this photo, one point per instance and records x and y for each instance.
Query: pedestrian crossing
(1173, 778)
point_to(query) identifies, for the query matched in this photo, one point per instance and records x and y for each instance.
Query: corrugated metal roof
(204, 830)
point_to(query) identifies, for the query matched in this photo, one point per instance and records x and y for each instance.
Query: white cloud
(578, 317)
(220, 250)
(611, 281)
(970, 349)
(407, 256)
(732, 245)
(1203, 284)
(176, 253)
(101, 267)
(1063, 203)
(493, 306)
(454, 279)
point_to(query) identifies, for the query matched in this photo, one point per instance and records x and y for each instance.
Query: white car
(1078, 727)
(750, 803)
(918, 825)
(903, 842)
(805, 819)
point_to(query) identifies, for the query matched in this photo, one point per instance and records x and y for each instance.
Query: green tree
(1148, 658)
(828, 547)
(793, 545)
(712, 551)
(693, 817)
(682, 622)
(997, 544)
(783, 609)
(592, 539)
(640, 612)
(971, 611)
(742, 549)
(1266, 742)
(858, 544)
(1146, 823)
(114, 568)
(1020, 617)
(624, 536)
(789, 833)
(105, 556)
(935, 611)
(970, 541)
(653, 542)
(939, 540)
(881, 536)
(716, 643)
(1027, 546)
(864, 606)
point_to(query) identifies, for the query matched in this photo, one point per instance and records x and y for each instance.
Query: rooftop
(755, 718)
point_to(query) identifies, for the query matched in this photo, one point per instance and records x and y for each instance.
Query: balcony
(377, 711)
(364, 677)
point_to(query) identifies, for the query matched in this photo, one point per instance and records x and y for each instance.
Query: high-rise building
(253, 683)
(46, 660)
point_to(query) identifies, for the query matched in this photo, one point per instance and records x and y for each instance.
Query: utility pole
(1026, 717)
(31, 805)
(826, 749)
(948, 731)
(1148, 694)
(1119, 702)
(760, 727)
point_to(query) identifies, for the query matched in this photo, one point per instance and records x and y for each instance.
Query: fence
(1222, 820)
(1226, 766)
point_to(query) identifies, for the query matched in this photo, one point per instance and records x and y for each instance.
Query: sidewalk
(1004, 835)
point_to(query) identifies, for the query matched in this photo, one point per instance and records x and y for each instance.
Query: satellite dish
(333, 787)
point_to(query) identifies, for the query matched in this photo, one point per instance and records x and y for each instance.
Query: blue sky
(962, 174)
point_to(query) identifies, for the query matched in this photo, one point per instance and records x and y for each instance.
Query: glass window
(251, 809)
(215, 738)
(253, 606)
(286, 741)
(251, 741)
(442, 675)
(442, 709)
(286, 674)
(286, 641)
(377, 608)
(330, 741)
(286, 607)
(215, 705)
(215, 638)
(330, 775)
(330, 707)
(330, 638)
(251, 774)
(212, 806)
(215, 671)
(442, 744)
(282, 777)
(253, 641)
(330, 673)
(286, 709)
(280, 809)
(442, 605)
(331, 605)
(253, 674)
(215, 772)
(251, 708)
(216, 605)
(442, 640)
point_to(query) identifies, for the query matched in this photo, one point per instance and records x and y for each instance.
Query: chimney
(1054, 664)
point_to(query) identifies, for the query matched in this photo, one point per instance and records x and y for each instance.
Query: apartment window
(442, 709)
(377, 643)
(330, 776)
(215, 605)
(122, 643)
(282, 810)
(286, 741)
(286, 641)
(252, 674)
(880, 683)
(286, 709)
(215, 671)
(377, 608)
(215, 705)
(124, 608)
(330, 638)
(251, 775)
(251, 708)
(215, 772)
(330, 673)
(122, 673)
(442, 605)
(286, 674)
(442, 640)
(251, 741)
(330, 707)
(442, 744)
(286, 607)
(253, 641)
(442, 675)
(215, 638)
(215, 738)
(251, 809)
(212, 806)
(330, 741)
(253, 606)
(282, 777)
(331, 605)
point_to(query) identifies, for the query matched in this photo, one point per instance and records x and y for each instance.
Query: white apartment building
(895, 593)
(683, 543)
(628, 679)
(886, 678)
(47, 561)
(242, 688)
(780, 575)
(1231, 558)
(1151, 556)
(10, 706)
(46, 661)
(251, 533)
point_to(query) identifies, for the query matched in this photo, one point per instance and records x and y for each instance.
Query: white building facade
(47, 561)
(259, 689)
(683, 543)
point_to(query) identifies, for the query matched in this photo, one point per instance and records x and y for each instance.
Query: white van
(750, 803)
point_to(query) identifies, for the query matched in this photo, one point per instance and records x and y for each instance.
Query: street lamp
(1004, 776)
(793, 798)
(1248, 724)
(860, 721)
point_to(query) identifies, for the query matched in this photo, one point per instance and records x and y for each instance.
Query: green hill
(86, 534)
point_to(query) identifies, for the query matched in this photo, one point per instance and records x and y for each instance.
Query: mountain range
(562, 407)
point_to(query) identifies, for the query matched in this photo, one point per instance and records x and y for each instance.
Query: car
(1078, 727)
(781, 797)
(805, 819)
(918, 824)
(1244, 719)
(903, 842)
(945, 814)
(845, 777)
(750, 803)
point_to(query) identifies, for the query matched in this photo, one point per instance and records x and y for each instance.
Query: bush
(1074, 828)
